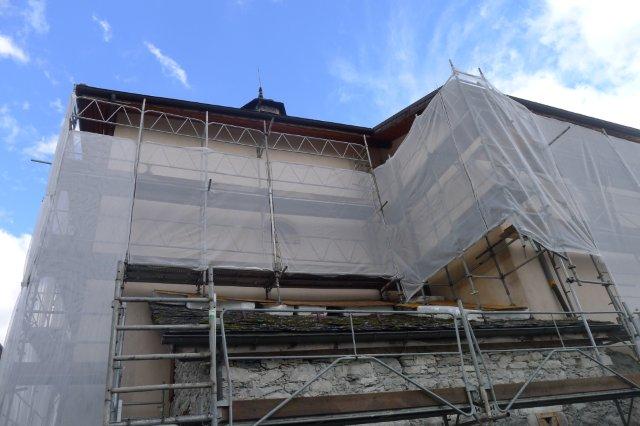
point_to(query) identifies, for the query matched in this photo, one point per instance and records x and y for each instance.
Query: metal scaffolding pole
(574, 276)
(206, 189)
(381, 205)
(469, 277)
(135, 176)
(618, 305)
(213, 403)
(474, 359)
(115, 310)
(277, 260)
(497, 265)
(571, 277)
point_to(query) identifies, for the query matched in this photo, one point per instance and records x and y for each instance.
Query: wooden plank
(399, 349)
(592, 388)
(342, 404)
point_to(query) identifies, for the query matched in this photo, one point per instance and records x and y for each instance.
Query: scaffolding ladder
(113, 402)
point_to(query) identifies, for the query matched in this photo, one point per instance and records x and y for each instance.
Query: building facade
(473, 257)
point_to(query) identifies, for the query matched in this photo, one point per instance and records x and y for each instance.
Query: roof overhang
(379, 136)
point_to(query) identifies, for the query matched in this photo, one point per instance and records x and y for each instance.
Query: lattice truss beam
(116, 113)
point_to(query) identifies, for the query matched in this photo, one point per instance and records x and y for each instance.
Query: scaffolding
(485, 401)
(232, 206)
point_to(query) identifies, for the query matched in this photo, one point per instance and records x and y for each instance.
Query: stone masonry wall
(277, 379)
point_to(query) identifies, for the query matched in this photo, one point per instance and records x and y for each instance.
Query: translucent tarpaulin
(166, 225)
(471, 161)
(238, 224)
(599, 171)
(197, 207)
(54, 366)
(327, 221)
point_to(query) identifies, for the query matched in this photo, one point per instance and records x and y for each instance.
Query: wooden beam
(536, 394)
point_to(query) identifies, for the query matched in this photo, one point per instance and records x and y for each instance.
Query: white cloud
(8, 49)
(56, 105)
(582, 56)
(9, 127)
(390, 75)
(43, 149)
(107, 33)
(35, 16)
(594, 66)
(13, 251)
(169, 66)
(50, 77)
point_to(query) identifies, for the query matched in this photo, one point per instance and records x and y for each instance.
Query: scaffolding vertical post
(206, 188)
(493, 256)
(627, 321)
(474, 358)
(115, 313)
(384, 220)
(469, 278)
(136, 162)
(213, 403)
(373, 176)
(118, 366)
(277, 262)
(537, 247)
(635, 322)
(572, 277)
(450, 281)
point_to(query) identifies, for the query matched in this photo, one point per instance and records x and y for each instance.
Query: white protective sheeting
(473, 160)
(197, 207)
(327, 221)
(600, 174)
(54, 366)
(183, 215)
(166, 225)
(238, 224)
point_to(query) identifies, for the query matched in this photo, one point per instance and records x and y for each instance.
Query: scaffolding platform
(389, 406)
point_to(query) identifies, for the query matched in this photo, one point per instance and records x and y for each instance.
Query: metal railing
(552, 352)
(337, 359)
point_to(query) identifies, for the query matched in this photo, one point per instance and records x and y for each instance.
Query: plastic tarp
(327, 221)
(195, 207)
(602, 174)
(471, 161)
(54, 366)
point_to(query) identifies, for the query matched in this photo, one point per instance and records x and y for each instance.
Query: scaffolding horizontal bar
(370, 405)
(163, 420)
(163, 327)
(164, 299)
(164, 386)
(146, 357)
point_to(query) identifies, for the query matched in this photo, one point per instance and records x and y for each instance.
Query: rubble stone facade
(281, 378)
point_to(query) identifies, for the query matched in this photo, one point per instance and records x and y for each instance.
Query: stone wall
(277, 379)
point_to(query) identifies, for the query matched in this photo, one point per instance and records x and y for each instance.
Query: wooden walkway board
(599, 388)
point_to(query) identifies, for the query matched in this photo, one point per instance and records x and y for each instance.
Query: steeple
(265, 105)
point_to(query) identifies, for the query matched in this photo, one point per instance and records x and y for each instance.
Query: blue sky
(348, 61)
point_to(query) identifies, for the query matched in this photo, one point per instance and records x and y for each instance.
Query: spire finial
(260, 95)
